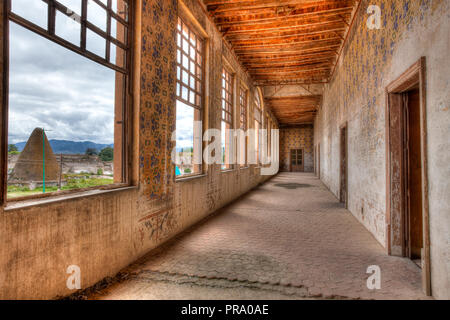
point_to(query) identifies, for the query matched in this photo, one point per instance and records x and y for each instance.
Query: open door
(407, 194)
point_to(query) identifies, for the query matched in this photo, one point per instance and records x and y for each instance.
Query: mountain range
(70, 147)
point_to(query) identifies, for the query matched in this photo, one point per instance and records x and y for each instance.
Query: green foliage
(100, 172)
(91, 152)
(86, 183)
(72, 184)
(12, 148)
(187, 170)
(107, 154)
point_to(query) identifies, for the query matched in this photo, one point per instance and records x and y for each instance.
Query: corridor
(287, 239)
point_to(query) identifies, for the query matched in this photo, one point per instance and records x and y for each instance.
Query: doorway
(318, 161)
(344, 167)
(407, 201)
(297, 164)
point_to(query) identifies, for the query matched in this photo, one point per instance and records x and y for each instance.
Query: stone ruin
(29, 166)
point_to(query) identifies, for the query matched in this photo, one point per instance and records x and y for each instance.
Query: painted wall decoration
(157, 117)
(356, 94)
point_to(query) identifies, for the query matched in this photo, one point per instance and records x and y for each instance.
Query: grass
(84, 181)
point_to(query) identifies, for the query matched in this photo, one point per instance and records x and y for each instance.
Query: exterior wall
(301, 137)
(104, 232)
(370, 61)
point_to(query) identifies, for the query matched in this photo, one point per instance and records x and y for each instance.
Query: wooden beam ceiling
(294, 110)
(287, 33)
(283, 42)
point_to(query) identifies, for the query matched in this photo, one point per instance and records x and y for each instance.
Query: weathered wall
(371, 60)
(301, 137)
(105, 232)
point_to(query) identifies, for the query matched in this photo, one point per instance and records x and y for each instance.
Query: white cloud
(51, 87)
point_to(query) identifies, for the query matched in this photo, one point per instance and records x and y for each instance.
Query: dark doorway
(413, 176)
(297, 164)
(344, 167)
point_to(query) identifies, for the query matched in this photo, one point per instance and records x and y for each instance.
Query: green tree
(12, 148)
(107, 154)
(91, 152)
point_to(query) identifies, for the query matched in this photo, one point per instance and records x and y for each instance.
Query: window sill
(190, 178)
(55, 198)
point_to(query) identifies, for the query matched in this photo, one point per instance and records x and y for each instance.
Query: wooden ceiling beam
(271, 6)
(237, 46)
(265, 36)
(338, 12)
(289, 27)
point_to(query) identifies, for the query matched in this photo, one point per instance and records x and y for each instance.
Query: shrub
(107, 154)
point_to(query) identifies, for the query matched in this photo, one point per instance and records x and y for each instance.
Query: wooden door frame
(413, 76)
(343, 127)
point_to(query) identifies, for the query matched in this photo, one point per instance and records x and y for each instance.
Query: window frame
(244, 120)
(258, 120)
(230, 112)
(200, 35)
(127, 98)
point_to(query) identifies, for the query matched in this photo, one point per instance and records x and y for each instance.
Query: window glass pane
(117, 56)
(73, 99)
(96, 15)
(121, 8)
(74, 5)
(34, 11)
(67, 28)
(118, 30)
(185, 143)
(95, 43)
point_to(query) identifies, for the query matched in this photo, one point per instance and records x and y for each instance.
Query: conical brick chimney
(30, 163)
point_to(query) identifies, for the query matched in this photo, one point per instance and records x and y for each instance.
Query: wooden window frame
(258, 109)
(187, 19)
(198, 78)
(49, 34)
(227, 106)
(243, 119)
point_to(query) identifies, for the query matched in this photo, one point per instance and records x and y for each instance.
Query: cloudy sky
(51, 87)
(70, 96)
(185, 125)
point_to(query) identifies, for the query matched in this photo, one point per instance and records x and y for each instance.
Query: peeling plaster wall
(301, 137)
(370, 61)
(104, 233)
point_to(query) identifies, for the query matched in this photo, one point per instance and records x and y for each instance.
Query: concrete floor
(288, 239)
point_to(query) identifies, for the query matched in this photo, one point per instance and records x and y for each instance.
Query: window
(190, 79)
(227, 120)
(258, 125)
(68, 74)
(243, 106)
